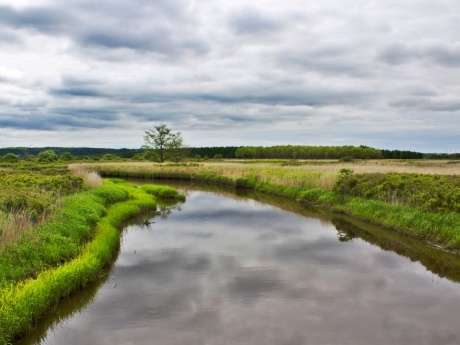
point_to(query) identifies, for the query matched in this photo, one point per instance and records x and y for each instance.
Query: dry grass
(14, 225)
(92, 178)
(312, 174)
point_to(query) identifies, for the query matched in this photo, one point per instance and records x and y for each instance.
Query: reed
(13, 225)
(92, 179)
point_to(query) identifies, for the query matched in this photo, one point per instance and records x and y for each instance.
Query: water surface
(229, 270)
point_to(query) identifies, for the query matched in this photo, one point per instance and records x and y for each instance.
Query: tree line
(309, 152)
(24, 152)
(218, 152)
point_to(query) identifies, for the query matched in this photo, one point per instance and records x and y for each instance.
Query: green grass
(66, 254)
(163, 192)
(435, 228)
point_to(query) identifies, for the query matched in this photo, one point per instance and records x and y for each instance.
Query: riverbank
(441, 230)
(67, 253)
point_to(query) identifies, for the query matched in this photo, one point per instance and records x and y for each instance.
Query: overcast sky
(381, 73)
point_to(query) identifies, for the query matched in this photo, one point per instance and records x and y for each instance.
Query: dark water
(229, 270)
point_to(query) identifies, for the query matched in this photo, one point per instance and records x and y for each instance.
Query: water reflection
(223, 270)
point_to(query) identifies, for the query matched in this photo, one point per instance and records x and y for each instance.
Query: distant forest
(228, 152)
(80, 152)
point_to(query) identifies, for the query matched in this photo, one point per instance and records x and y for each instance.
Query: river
(227, 269)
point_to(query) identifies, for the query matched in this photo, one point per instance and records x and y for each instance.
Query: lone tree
(163, 144)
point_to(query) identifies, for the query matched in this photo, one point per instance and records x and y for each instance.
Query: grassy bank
(66, 254)
(315, 187)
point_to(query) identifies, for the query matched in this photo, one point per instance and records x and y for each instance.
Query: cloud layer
(80, 73)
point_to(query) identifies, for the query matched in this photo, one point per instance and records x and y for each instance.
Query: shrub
(47, 156)
(10, 158)
(66, 156)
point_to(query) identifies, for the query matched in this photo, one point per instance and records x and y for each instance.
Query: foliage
(10, 158)
(346, 181)
(225, 151)
(308, 152)
(76, 152)
(107, 157)
(66, 156)
(162, 144)
(32, 194)
(433, 193)
(398, 154)
(47, 156)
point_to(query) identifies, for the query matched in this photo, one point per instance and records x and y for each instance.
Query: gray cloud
(330, 60)
(112, 25)
(160, 40)
(76, 92)
(251, 21)
(278, 70)
(7, 37)
(442, 54)
(49, 20)
(431, 104)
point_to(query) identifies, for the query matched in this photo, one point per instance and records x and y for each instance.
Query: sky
(380, 73)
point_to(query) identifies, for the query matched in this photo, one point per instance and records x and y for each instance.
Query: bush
(10, 158)
(47, 156)
(432, 193)
(66, 156)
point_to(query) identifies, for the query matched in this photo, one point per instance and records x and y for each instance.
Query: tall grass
(30, 195)
(275, 174)
(438, 229)
(92, 179)
(13, 225)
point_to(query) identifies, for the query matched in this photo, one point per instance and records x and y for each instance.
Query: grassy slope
(37, 274)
